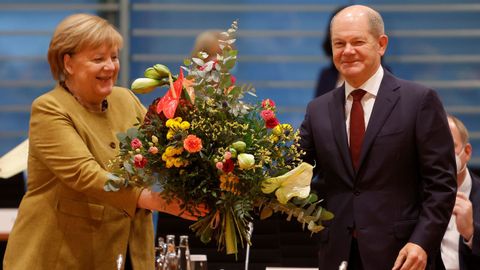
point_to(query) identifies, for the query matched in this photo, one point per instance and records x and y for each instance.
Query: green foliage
(211, 110)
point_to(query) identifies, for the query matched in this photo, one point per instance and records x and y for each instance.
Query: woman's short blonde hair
(78, 32)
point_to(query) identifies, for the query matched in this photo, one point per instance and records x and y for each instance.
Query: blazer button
(112, 145)
(356, 192)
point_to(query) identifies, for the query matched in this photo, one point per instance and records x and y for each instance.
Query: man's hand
(463, 215)
(411, 257)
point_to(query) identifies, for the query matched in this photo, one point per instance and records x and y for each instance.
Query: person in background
(460, 248)
(208, 42)
(329, 77)
(386, 154)
(66, 220)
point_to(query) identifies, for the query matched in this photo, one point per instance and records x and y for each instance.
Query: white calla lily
(295, 183)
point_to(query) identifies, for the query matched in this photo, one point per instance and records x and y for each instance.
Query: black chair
(11, 192)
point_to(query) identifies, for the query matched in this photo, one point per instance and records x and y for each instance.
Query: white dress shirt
(372, 86)
(450, 242)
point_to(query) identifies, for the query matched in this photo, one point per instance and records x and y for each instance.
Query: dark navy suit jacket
(404, 189)
(469, 259)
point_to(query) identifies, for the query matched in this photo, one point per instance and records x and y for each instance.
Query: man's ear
(468, 151)
(382, 44)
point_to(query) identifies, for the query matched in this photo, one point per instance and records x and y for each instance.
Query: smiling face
(356, 50)
(92, 73)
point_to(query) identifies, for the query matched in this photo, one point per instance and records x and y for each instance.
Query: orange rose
(192, 144)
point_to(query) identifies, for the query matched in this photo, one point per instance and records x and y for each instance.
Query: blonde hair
(77, 32)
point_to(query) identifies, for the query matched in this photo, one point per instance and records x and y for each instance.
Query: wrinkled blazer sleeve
(57, 144)
(436, 157)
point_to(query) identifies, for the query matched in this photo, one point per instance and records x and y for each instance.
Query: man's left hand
(411, 257)
(463, 215)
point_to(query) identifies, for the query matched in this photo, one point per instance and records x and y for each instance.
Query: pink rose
(136, 143)
(267, 115)
(153, 150)
(219, 165)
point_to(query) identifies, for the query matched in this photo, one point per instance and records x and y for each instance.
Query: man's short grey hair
(375, 21)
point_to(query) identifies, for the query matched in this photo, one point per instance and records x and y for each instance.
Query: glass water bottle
(160, 252)
(184, 253)
(171, 259)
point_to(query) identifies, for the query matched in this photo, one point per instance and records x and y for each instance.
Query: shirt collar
(372, 85)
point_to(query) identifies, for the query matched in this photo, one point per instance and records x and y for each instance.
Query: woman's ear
(67, 63)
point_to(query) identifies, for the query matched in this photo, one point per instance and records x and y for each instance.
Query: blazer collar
(385, 101)
(336, 109)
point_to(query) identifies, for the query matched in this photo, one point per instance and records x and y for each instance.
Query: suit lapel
(337, 118)
(385, 101)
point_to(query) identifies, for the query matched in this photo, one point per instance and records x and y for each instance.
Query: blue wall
(433, 42)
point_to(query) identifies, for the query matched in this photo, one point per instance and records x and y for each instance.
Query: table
(7, 218)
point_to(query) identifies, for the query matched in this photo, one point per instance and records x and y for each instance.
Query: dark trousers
(354, 260)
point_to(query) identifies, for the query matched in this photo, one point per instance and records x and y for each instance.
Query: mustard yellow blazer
(66, 220)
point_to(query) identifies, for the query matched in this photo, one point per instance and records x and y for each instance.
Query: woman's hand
(155, 201)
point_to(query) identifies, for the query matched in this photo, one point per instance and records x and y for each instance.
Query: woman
(66, 220)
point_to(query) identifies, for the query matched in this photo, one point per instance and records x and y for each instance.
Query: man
(460, 248)
(387, 158)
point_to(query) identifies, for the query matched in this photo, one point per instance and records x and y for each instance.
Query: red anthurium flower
(168, 103)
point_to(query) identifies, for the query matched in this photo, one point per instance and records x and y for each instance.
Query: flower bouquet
(203, 144)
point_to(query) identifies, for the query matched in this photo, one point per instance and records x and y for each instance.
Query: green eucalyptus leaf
(235, 91)
(312, 198)
(198, 61)
(132, 133)
(326, 215)
(122, 137)
(128, 167)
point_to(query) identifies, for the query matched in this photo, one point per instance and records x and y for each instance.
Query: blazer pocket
(81, 209)
(403, 229)
(390, 137)
(389, 132)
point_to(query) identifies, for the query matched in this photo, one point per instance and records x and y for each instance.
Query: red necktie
(357, 126)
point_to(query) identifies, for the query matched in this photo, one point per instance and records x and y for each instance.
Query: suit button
(112, 145)
(356, 192)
